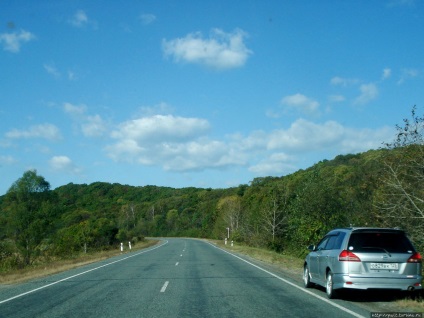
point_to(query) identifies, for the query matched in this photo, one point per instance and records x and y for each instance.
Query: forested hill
(375, 188)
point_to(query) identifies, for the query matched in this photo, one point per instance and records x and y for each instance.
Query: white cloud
(196, 154)
(221, 51)
(72, 76)
(75, 110)
(52, 70)
(79, 19)
(94, 126)
(407, 73)
(300, 102)
(174, 143)
(91, 126)
(304, 139)
(147, 18)
(199, 154)
(182, 144)
(63, 163)
(340, 81)
(12, 42)
(46, 131)
(358, 140)
(305, 135)
(161, 108)
(336, 98)
(6, 160)
(387, 72)
(271, 113)
(160, 128)
(277, 164)
(369, 92)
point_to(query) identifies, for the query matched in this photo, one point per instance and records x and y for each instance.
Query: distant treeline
(377, 188)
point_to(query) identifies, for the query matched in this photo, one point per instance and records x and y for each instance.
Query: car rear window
(378, 242)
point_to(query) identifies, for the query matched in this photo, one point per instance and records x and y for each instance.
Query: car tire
(331, 293)
(306, 277)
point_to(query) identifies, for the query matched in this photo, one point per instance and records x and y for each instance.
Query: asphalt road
(179, 278)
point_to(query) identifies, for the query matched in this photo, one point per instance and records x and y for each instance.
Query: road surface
(177, 278)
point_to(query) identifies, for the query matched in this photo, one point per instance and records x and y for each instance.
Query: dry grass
(408, 304)
(283, 261)
(54, 267)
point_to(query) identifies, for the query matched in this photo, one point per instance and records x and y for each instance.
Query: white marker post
(225, 241)
(122, 247)
(129, 244)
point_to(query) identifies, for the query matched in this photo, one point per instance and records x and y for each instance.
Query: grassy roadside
(284, 262)
(54, 267)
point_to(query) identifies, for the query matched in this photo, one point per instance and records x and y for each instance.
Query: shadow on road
(377, 295)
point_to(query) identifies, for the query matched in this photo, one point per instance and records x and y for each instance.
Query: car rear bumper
(403, 283)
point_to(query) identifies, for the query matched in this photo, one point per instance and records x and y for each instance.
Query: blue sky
(201, 93)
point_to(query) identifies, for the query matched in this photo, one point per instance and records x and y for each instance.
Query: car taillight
(416, 258)
(348, 256)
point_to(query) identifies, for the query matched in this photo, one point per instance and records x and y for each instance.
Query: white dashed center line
(164, 287)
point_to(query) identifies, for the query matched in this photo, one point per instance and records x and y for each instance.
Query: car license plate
(389, 266)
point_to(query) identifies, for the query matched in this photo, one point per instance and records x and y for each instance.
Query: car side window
(321, 245)
(331, 242)
(339, 241)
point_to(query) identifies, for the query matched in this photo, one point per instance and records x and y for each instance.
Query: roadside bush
(137, 239)
(276, 246)
(9, 258)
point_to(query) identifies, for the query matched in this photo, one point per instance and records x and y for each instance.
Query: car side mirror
(311, 247)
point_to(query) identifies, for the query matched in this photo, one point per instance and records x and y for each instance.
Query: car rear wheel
(331, 293)
(306, 277)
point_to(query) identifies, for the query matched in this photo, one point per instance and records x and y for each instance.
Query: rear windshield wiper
(378, 248)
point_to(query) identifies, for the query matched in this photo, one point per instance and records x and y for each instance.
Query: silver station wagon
(363, 258)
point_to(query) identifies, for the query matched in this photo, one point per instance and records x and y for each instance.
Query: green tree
(316, 208)
(73, 239)
(231, 214)
(172, 220)
(29, 212)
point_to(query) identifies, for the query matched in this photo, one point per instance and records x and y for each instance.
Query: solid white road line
(164, 287)
(90, 270)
